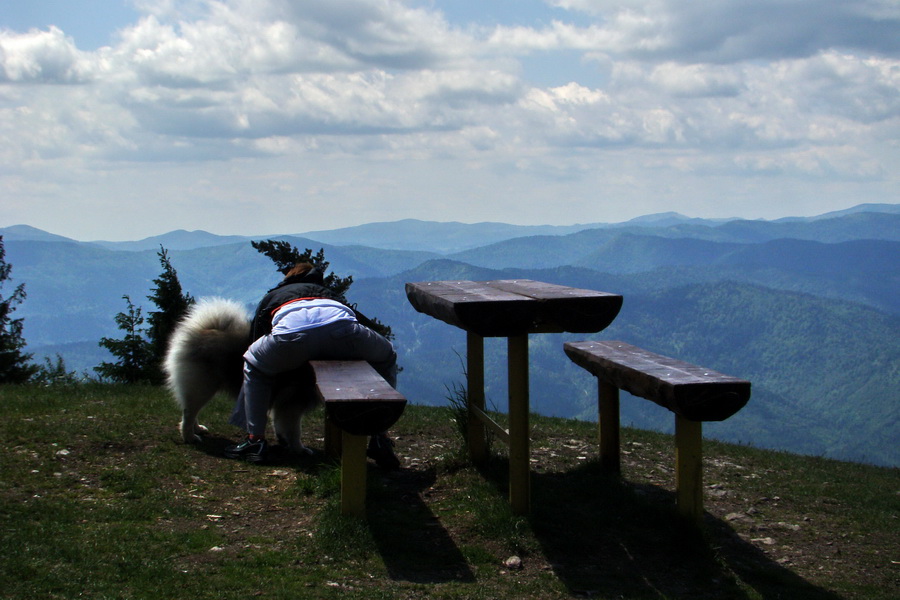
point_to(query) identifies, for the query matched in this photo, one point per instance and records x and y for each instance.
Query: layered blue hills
(807, 309)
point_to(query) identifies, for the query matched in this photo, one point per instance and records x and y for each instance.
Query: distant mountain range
(449, 238)
(808, 309)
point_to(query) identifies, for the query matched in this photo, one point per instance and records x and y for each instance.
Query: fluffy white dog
(205, 358)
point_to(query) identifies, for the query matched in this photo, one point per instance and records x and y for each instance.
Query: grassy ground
(98, 499)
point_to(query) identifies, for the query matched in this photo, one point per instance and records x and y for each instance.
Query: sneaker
(254, 451)
(381, 450)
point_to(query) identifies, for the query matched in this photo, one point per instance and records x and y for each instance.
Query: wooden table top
(509, 307)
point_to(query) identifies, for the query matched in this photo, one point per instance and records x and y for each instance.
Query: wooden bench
(693, 393)
(358, 403)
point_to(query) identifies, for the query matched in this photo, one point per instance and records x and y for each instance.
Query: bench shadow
(606, 536)
(411, 539)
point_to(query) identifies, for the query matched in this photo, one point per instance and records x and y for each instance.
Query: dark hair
(301, 268)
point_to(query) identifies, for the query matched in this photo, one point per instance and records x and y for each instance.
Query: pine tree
(133, 351)
(285, 256)
(173, 303)
(14, 363)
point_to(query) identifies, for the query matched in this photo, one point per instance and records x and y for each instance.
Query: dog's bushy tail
(213, 336)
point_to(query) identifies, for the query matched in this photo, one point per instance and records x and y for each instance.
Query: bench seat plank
(356, 398)
(693, 392)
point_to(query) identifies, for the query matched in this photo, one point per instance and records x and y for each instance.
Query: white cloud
(555, 37)
(44, 56)
(686, 89)
(696, 80)
(734, 30)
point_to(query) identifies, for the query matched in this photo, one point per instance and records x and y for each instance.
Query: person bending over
(300, 320)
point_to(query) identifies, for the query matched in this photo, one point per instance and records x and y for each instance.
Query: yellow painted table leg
(519, 433)
(608, 404)
(353, 475)
(688, 467)
(475, 395)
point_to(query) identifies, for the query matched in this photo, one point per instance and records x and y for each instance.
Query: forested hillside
(807, 310)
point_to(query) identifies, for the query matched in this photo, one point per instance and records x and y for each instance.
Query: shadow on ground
(606, 536)
(413, 543)
(409, 537)
(602, 536)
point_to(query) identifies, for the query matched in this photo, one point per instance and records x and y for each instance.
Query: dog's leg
(192, 396)
(287, 417)
(190, 429)
(286, 420)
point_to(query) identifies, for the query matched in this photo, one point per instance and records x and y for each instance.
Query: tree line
(140, 352)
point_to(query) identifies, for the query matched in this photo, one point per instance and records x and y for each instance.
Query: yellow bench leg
(688, 467)
(353, 475)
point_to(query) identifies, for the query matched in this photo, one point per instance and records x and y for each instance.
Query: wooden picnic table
(510, 308)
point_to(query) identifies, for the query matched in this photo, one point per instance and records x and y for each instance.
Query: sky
(124, 119)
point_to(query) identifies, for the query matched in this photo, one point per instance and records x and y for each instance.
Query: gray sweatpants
(273, 354)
